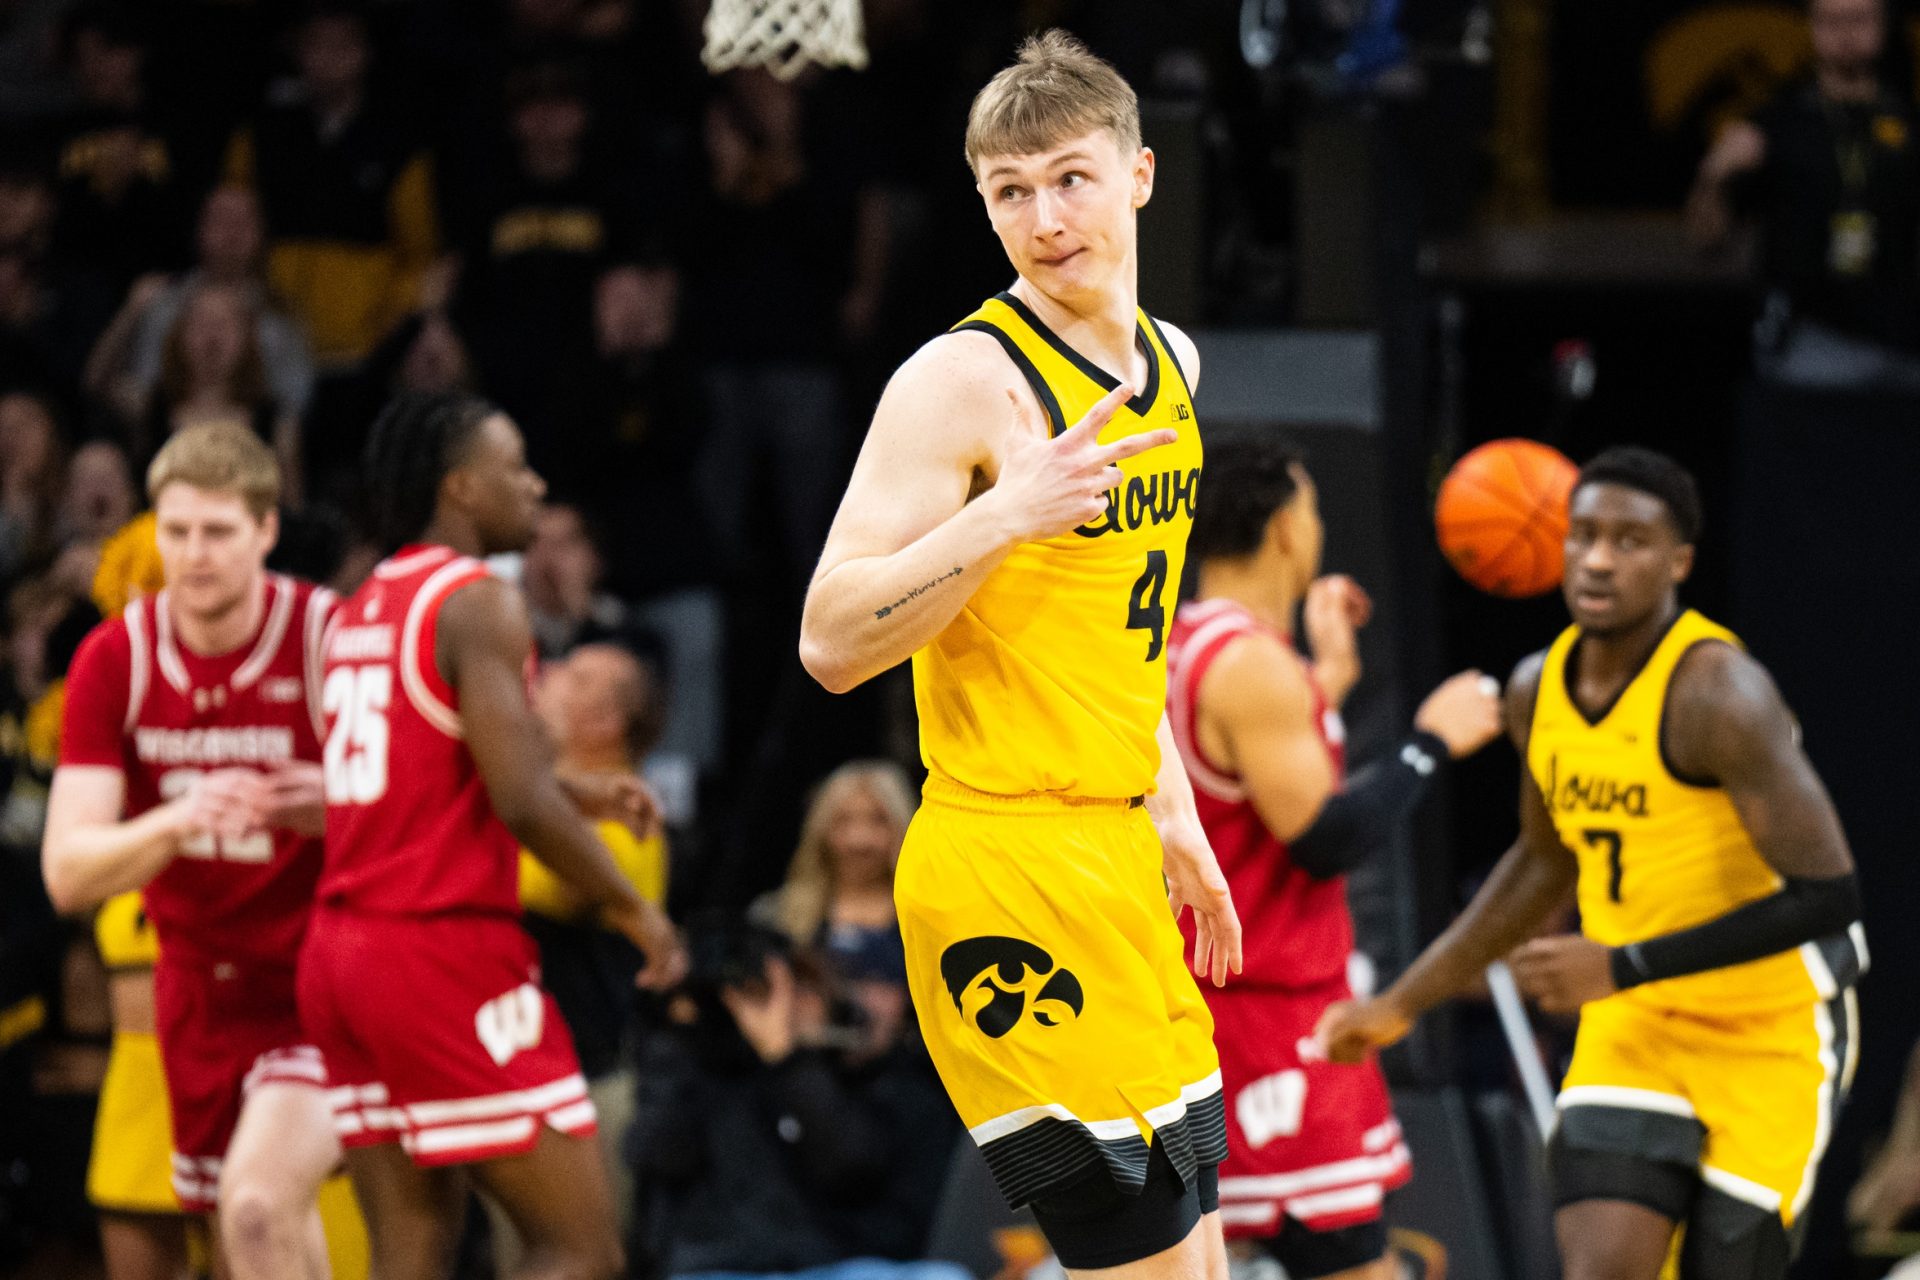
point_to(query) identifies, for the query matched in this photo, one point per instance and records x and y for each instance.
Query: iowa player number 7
(1607, 842)
(355, 758)
(1144, 610)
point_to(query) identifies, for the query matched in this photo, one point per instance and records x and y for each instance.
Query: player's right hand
(1464, 712)
(225, 804)
(1352, 1029)
(1047, 487)
(647, 927)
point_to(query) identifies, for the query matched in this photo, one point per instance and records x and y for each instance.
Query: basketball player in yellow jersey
(1719, 914)
(1016, 524)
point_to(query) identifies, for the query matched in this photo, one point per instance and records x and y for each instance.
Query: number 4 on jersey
(1144, 610)
(355, 759)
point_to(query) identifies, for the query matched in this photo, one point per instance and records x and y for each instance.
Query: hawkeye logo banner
(993, 981)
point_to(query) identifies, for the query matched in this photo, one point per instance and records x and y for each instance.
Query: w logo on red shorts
(970, 968)
(511, 1023)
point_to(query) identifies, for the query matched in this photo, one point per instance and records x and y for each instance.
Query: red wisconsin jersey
(141, 702)
(410, 830)
(1297, 929)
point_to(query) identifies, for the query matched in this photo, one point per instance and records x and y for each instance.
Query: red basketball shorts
(1313, 1141)
(438, 1035)
(225, 1029)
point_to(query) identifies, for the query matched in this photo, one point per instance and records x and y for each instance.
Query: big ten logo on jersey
(511, 1023)
(254, 848)
(1271, 1107)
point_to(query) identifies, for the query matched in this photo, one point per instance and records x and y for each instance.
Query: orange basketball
(1502, 516)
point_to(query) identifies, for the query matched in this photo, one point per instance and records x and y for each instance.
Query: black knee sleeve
(1092, 1223)
(1582, 1173)
(1729, 1239)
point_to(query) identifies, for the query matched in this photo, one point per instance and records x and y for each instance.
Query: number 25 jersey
(1053, 677)
(410, 829)
(1660, 852)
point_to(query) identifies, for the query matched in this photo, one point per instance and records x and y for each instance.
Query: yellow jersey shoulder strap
(1550, 698)
(1055, 370)
(998, 320)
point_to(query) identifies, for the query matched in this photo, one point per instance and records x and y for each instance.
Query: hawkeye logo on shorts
(991, 980)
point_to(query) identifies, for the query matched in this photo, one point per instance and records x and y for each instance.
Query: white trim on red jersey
(141, 667)
(166, 654)
(411, 564)
(1215, 618)
(279, 613)
(319, 619)
(412, 680)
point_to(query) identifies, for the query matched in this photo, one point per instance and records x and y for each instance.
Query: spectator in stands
(1887, 1196)
(625, 441)
(31, 474)
(51, 310)
(765, 1149)
(778, 226)
(560, 572)
(1831, 167)
(99, 497)
(122, 193)
(211, 371)
(838, 895)
(125, 367)
(602, 707)
(557, 214)
(347, 192)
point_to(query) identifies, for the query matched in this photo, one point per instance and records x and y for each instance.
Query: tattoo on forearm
(886, 609)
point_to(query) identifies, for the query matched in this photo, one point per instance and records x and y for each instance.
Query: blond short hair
(1056, 89)
(223, 457)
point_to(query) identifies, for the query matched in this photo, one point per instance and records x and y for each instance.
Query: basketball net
(783, 35)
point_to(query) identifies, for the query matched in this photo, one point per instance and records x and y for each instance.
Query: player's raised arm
(908, 547)
(1534, 876)
(482, 645)
(1728, 724)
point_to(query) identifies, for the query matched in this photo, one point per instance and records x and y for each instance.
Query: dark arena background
(1395, 231)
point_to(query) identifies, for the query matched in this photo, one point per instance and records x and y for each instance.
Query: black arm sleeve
(1803, 909)
(1361, 816)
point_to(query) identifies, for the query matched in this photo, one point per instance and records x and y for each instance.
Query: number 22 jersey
(1053, 677)
(410, 830)
(141, 702)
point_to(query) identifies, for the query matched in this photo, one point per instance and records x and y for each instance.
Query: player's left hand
(1562, 973)
(648, 928)
(1335, 602)
(295, 797)
(1194, 882)
(615, 797)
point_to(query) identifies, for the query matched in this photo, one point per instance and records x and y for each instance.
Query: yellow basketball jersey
(123, 933)
(1054, 676)
(1657, 852)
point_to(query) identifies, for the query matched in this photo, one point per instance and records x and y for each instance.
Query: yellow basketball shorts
(1749, 1100)
(131, 1169)
(1051, 987)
